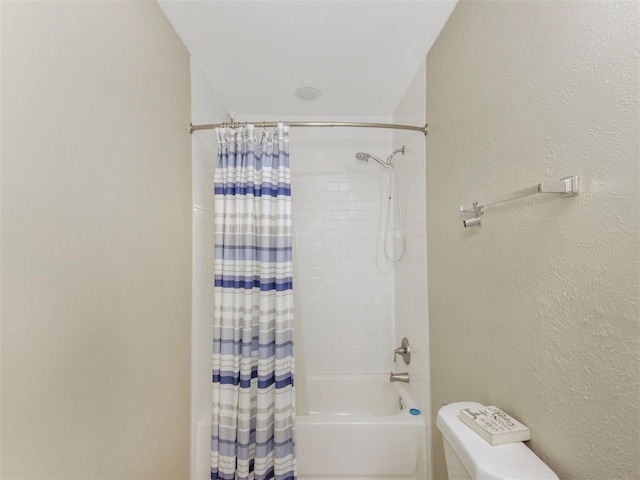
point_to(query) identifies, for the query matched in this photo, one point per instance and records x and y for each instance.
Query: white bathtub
(355, 430)
(358, 428)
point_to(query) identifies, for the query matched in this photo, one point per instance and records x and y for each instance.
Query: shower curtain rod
(211, 126)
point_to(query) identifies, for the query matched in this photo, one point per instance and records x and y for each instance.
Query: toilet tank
(469, 456)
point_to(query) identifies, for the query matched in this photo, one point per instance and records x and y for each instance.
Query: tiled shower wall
(411, 310)
(343, 283)
(411, 274)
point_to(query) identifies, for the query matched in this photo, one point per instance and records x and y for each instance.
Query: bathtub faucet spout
(399, 377)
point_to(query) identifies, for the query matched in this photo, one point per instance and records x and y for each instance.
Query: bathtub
(359, 427)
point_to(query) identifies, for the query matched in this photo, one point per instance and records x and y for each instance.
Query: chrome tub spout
(399, 377)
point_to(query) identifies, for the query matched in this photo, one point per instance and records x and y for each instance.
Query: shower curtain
(253, 388)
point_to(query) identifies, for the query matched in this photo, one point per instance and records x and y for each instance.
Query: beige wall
(96, 242)
(537, 311)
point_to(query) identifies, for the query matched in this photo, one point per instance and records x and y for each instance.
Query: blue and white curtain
(253, 393)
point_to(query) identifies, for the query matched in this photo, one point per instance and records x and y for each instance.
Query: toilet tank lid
(483, 460)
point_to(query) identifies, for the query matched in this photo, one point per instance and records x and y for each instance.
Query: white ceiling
(361, 55)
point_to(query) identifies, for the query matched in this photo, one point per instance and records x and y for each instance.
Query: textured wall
(96, 242)
(537, 311)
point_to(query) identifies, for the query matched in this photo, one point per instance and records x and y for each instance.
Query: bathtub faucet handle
(403, 350)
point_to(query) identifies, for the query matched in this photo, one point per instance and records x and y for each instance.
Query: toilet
(470, 457)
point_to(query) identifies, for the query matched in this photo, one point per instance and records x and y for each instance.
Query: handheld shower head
(364, 157)
(392, 204)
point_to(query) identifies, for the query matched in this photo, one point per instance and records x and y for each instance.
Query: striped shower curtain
(253, 393)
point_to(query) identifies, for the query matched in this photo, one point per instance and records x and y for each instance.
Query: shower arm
(396, 151)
